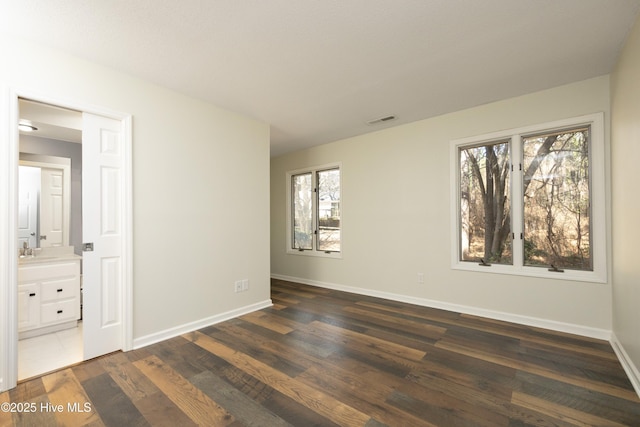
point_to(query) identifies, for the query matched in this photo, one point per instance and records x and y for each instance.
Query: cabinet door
(28, 306)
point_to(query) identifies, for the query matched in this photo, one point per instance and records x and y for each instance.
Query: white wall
(200, 187)
(625, 158)
(397, 219)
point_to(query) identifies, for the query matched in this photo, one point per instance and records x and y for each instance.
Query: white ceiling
(51, 122)
(317, 71)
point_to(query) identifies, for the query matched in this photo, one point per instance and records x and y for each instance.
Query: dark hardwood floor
(324, 358)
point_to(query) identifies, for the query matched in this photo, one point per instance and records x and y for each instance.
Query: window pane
(485, 220)
(302, 211)
(329, 210)
(557, 200)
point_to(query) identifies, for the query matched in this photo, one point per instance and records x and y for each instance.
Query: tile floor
(49, 352)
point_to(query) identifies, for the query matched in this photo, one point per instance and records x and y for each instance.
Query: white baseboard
(553, 325)
(627, 364)
(198, 324)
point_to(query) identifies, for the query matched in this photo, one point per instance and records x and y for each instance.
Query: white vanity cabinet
(48, 296)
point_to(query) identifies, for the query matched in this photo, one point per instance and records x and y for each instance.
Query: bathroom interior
(49, 239)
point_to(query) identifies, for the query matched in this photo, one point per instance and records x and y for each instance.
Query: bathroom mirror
(43, 201)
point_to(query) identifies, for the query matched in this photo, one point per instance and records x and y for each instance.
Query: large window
(484, 203)
(314, 222)
(531, 201)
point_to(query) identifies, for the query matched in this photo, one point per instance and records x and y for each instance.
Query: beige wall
(397, 217)
(200, 187)
(625, 158)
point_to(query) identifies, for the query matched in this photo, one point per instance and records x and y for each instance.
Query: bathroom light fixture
(26, 127)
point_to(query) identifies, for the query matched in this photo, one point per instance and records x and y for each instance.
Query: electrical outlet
(238, 286)
(245, 285)
(420, 278)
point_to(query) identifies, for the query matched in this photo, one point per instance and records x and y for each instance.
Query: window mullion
(315, 211)
(517, 211)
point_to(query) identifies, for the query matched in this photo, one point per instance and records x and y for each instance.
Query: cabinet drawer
(39, 272)
(59, 311)
(54, 290)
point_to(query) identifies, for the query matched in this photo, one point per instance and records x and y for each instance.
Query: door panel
(102, 181)
(52, 208)
(111, 286)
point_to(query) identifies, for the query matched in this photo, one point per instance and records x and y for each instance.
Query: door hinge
(87, 247)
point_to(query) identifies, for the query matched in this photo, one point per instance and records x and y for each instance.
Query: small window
(315, 211)
(531, 201)
(303, 227)
(328, 210)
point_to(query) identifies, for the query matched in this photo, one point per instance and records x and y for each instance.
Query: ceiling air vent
(381, 120)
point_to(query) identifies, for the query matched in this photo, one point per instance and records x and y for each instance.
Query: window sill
(314, 253)
(537, 272)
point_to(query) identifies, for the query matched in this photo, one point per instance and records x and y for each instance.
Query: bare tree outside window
(556, 203)
(557, 200)
(302, 206)
(485, 217)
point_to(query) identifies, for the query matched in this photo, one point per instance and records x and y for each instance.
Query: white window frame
(598, 223)
(314, 252)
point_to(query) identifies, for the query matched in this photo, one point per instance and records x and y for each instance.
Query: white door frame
(9, 158)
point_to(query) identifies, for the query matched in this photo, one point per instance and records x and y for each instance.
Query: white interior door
(102, 226)
(28, 192)
(52, 208)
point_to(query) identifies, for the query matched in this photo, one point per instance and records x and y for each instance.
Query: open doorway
(49, 238)
(105, 241)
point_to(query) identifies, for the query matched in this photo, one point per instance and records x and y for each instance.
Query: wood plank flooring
(326, 358)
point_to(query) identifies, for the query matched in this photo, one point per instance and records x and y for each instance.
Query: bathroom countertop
(50, 255)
